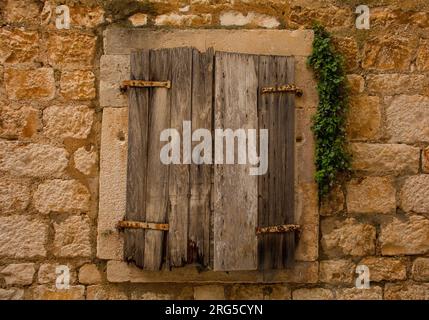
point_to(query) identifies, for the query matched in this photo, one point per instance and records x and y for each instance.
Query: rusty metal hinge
(284, 88)
(277, 229)
(144, 84)
(142, 225)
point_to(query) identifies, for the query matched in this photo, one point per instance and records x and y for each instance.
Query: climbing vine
(332, 158)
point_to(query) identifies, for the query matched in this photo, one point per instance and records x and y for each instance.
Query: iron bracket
(142, 225)
(283, 88)
(144, 84)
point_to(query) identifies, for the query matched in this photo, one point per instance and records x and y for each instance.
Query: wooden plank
(201, 174)
(290, 164)
(266, 119)
(137, 153)
(235, 207)
(157, 173)
(179, 189)
(276, 189)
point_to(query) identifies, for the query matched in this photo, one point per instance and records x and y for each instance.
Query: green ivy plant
(332, 158)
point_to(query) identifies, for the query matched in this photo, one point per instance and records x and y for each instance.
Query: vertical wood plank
(179, 188)
(201, 174)
(276, 189)
(157, 173)
(137, 153)
(266, 119)
(290, 163)
(235, 207)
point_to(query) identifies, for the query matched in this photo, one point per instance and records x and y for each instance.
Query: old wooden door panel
(235, 203)
(212, 210)
(137, 152)
(157, 173)
(201, 174)
(161, 193)
(276, 188)
(180, 104)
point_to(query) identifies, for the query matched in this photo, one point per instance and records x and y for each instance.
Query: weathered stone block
(385, 158)
(423, 56)
(347, 46)
(331, 16)
(409, 236)
(171, 293)
(312, 294)
(371, 195)
(86, 16)
(34, 160)
(21, 237)
(138, 19)
(89, 274)
(72, 238)
(112, 196)
(390, 269)
(84, 160)
(209, 292)
(415, 194)
(68, 121)
(47, 273)
(364, 118)
(18, 45)
(18, 274)
(120, 271)
(388, 53)
(426, 160)
(113, 70)
(105, 292)
(393, 84)
(71, 49)
(14, 195)
(308, 245)
(246, 292)
(337, 271)
(21, 11)
(235, 18)
(408, 119)
(356, 83)
(420, 270)
(188, 20)
(333, 203)
(29, 84)
(12, 294)
(373, 293)
(406, 291)
(78, 85)
(349, 237)
(63, 196)
(43, 292)
(18, 121)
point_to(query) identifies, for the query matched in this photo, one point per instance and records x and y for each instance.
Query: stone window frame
(114, 68)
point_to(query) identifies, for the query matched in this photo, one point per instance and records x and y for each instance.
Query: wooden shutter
(158, 193)
(243, 202)
(212, 210)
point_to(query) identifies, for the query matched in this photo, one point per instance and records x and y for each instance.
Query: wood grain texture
(276, 188)
(179, 188)
(137, 153)
(201, 174)
(235, 207)
(157, 173)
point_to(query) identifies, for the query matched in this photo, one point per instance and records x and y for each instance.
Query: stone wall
(50, 139)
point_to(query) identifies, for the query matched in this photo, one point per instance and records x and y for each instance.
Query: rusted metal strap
(277, 229)
(144, 84)
(284, 88)
(142, 225)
